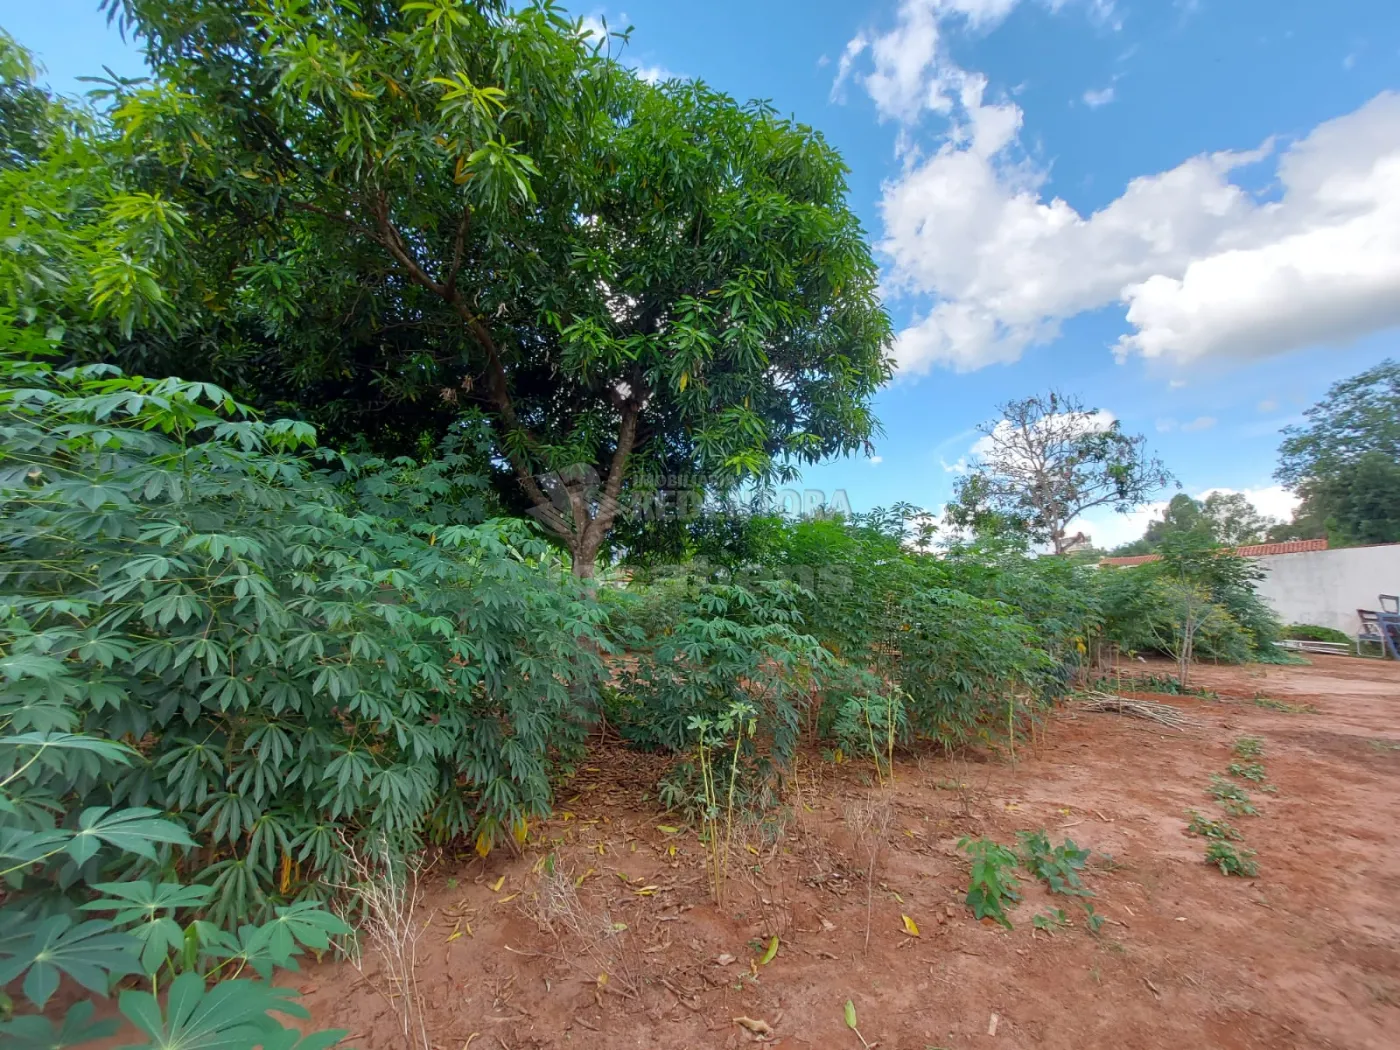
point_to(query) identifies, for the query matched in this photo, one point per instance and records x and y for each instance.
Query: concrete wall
(1327, 587)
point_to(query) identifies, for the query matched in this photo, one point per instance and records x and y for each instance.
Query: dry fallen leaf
(992, 1025)
(724, 960)
(910, 926)
(755, 1026)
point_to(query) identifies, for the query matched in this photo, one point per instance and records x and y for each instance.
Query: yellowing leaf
(483, 842)
(850, 1014)
(771, 953)
(602, 980)
(520, 830)
(646, 891)
(453, 936)
(579, 881)
(910, 926)
(496, 886)
(683, 381)
(602, 849)
(752, 850)
(508, 897)
(668, 829)
(670, 851)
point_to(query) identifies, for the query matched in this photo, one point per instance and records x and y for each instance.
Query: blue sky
(1212, 187)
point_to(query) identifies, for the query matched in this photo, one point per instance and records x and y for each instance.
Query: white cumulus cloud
(1109, 530)
(1201, 266)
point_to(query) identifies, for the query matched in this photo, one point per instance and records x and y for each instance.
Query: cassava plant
(296, 654)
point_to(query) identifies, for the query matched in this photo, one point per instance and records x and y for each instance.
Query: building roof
(1255, 550)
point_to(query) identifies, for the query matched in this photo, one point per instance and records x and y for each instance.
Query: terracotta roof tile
(1287, 547)
(1255, 550)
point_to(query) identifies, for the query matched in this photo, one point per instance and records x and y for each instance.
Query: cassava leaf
(91, 953)
(133, 830)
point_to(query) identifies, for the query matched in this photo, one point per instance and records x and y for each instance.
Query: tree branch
(498, 388)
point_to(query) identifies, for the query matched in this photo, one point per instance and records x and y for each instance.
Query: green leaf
(91, 953)
(232, 1015)
(36, 1032)
(309, 923)
(50, 741)
(146, 898)
(132, 830)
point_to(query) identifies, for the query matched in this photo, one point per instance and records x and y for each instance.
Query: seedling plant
(1248, 747)
(1211, 829)
(993, 881)
(1232, 861)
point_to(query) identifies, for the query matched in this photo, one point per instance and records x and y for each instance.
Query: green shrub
(176, 573)
(963, 662)
(1311, 632)
(729, 645)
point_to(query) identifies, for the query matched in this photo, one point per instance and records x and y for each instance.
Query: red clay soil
(1306, 955)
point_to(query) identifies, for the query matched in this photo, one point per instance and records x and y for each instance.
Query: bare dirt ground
(1306, 955)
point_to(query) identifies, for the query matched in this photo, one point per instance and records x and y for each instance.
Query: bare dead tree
(1045, 461)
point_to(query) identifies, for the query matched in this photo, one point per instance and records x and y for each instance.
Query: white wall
(1327, 587)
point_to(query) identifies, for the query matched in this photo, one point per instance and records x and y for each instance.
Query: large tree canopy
(1227, 518)
(395, 215)
(1345, 462)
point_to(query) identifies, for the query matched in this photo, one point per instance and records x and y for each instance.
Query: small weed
(1287, 707)
(1057, 866)
(1248, 747)
(993, 880)
(1234, 798)
(1230, 860)
(1211, 829)
(1092, 919)
(1052, 920)
(1253, 771)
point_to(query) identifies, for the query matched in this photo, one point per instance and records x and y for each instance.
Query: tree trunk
(583, 549)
